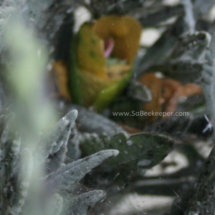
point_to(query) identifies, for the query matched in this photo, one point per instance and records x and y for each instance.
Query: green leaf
(142, 150)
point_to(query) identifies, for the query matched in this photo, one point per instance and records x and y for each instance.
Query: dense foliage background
(52, 150)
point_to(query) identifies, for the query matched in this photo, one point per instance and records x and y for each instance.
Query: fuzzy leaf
(180, 70)
(56, 160)
(207, 83)
(56, 204)
(192, 47)
(73, 150)
(142, 150)
(162, 49)
(189, 57)
(140, 92)
(59, 135)
(202, 7)
(114, 6)
(24, 184)
(48, 15)
(68, 176)
(93, 122)
(158, 16)
(202, 198)
(80, 204)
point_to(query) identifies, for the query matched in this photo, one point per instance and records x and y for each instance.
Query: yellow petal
(89, 51)
(125, 31)
(118, 71)
(61, 73)
(98, 80)
(90, 86)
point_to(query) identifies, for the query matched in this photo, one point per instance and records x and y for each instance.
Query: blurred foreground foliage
(51, 150)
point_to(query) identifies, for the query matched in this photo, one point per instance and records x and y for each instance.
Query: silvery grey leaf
(3, 97)
(191, 47)
(202, 7)
(155, 18)
(189, 57)
(113, 6)
(184, 71)
(189, 15)
(73, 149)
(79, 205)
(179, 205)
(208, 78)
(55, 207)
(66, 177)
(5, 13)
(48, 15)
(92, 122)
(200, 200)
(15, 150)
(203, 196)
(24, 184)
(5, 136)
(161, 50)
(10, 146)
(56, 160)
(59, 135)
(138, 91)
